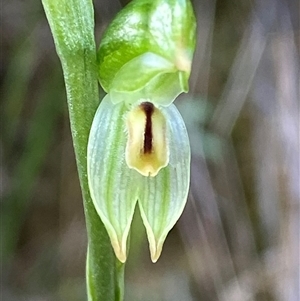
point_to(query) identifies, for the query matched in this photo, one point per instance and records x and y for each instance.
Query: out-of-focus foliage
(238, 238)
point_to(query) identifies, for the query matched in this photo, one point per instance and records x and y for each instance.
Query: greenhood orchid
(138, 149)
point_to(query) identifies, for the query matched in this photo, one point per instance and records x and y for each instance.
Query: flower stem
(72, 26)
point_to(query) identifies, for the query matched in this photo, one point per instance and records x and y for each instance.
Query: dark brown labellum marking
(148, 108)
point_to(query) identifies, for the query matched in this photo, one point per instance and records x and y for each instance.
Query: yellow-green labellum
(147, 149)
(124, 167)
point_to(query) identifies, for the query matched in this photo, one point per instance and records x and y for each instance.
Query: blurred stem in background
(72, 26)
(35, 151)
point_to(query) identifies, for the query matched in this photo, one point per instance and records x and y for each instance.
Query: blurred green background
(238, 238)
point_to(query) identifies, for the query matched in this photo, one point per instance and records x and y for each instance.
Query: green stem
(120, 280)
(72, 26)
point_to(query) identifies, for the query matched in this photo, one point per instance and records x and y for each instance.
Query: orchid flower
(138, 149)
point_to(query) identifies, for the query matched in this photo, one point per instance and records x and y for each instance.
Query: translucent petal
(139, 71)
(162, 198)
(148, 76)
(113, 186)
(172, 29)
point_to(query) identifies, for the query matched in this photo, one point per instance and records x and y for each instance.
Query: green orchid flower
(138, 149)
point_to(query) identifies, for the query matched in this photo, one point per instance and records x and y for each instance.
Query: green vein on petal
(113, 186)
(162, 198)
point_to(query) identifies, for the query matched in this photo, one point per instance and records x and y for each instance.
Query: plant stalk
(72, 26)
